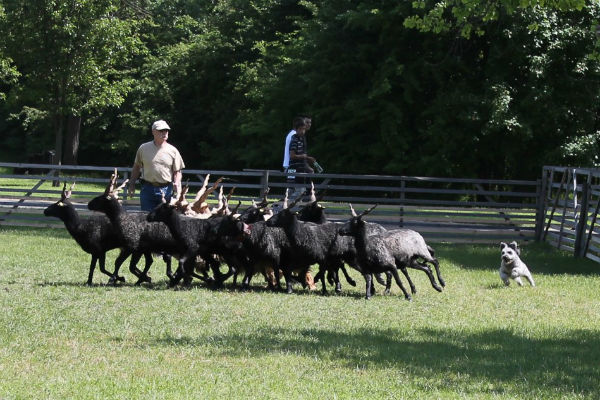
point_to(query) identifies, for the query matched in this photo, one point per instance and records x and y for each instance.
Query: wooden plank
(593, 257)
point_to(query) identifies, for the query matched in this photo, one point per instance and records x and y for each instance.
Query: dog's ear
(502, 245)
(513, 245)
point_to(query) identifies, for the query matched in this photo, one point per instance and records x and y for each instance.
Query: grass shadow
(565, 364)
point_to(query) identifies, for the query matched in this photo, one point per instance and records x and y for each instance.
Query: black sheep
(95, 235)
(134, 233)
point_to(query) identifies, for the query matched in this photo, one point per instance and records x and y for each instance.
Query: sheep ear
(502, 245)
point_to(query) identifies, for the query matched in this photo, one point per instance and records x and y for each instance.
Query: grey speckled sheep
(372, 252)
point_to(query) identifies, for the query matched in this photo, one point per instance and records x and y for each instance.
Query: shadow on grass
(540, 257)
(566, 364)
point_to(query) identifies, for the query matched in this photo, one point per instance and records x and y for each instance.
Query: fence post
(580, 248)
(540, 215)
(402, 197)
(264, 182)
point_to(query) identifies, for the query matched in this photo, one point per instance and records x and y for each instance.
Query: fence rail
(441, 209)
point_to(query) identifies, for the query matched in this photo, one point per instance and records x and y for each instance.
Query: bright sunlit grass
(477, 339)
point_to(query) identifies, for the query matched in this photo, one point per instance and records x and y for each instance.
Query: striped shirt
(298, 146)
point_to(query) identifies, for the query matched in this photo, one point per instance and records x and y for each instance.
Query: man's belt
(155, 183)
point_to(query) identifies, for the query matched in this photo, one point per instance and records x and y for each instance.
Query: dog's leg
(504, 276)
(519, 281)
(530, 279)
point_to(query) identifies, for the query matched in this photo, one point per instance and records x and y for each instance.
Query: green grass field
(478, 339)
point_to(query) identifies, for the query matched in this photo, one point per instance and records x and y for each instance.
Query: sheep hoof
(352, 282)
(408, 298)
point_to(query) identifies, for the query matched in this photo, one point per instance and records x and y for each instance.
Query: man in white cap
(159, 164)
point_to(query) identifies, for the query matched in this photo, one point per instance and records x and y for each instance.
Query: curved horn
(367, 211)
(68, 192)
(313, 197)
(63, 195)
(236, 207)
(264, 201)
(230, 192)
(297, 200)
(285, 199)
(352, 210)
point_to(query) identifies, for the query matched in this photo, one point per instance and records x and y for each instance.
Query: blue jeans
(151, 196)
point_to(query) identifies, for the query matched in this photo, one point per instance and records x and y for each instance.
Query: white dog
(512, 266)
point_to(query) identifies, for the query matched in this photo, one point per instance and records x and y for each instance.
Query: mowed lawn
(478, 339)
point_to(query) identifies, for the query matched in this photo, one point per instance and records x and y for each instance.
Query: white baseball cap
(160, 125)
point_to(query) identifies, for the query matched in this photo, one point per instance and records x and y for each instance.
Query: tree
(73, 57)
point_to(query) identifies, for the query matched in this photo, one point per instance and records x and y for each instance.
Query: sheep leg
(379, 279)
(92, 267)
(233, 263)
(247, 279)
(369, 283)
(413, 289)
(387, 282)
(143, 275)
(436, 265)
(319, 275)
(102, 264)
(394, 272)
(123, 254)
(349, 279)
(425, 268)
(135, 257)
(338, 284)
(118, 262)
(288, 280)
(167, 258)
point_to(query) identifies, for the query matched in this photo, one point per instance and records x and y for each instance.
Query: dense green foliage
(465, 89)
(476, 340)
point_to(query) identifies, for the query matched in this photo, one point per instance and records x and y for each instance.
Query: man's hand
(131, 189)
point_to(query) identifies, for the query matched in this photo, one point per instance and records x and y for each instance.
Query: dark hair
(298, 122)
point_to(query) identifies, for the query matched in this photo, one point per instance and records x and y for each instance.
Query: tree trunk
(72, 140)
(58, 145)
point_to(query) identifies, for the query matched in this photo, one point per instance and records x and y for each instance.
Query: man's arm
(135, 174)
(308, 160)
(177, 181)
